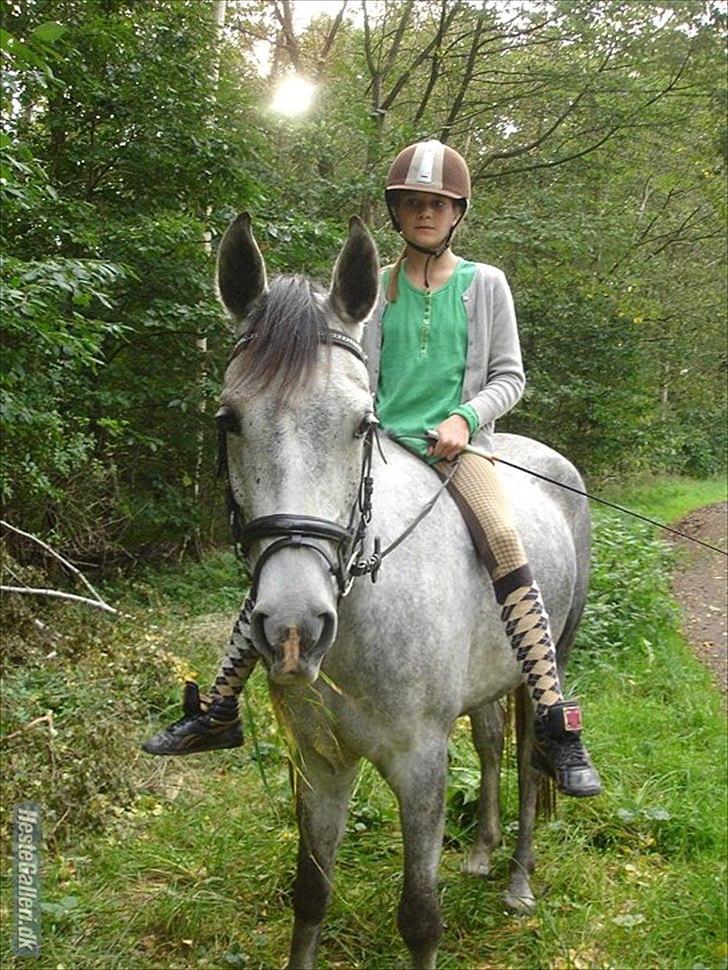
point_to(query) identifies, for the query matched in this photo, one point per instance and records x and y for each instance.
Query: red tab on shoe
(572, 719)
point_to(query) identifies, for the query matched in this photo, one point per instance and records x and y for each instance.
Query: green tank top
(424, 349)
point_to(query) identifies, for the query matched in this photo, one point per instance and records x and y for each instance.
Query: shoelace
(570, 753)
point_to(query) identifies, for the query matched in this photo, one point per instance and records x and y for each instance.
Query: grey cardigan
(494, 378)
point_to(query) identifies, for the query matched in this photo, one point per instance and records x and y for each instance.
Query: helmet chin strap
(435, 252)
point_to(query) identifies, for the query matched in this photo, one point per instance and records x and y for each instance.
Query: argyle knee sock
(237, 664)
(528, 628)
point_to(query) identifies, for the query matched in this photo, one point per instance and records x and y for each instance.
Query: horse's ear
(240, 268)
(355, 279)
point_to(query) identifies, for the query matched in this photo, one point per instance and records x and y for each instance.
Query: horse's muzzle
(292, 648)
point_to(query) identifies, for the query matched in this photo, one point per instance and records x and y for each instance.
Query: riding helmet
(429, 166)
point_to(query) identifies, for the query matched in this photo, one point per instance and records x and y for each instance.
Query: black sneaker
(198, 730)
(558, 751)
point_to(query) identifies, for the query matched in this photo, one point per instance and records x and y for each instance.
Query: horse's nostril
(328, 626)
(257, 630)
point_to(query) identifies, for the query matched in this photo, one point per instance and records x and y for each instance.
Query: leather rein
(306, 531)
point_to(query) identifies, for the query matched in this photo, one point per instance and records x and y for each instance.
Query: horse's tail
(520, 707)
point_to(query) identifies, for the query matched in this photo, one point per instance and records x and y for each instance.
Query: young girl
(443, 353)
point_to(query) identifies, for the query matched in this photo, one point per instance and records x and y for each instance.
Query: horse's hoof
(520, 901)
(476, 863)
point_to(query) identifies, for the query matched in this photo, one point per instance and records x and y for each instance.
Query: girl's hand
(452, 436)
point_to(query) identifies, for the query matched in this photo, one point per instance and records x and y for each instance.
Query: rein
(612, 505)
(373, 562)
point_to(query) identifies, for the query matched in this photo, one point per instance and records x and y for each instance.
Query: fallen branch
(58, 556)
(43, 719)
(99, 603)
(97, 600)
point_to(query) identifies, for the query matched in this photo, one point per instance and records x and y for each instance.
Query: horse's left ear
(355, 279)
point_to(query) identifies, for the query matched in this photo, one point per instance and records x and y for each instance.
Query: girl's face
(426, 218)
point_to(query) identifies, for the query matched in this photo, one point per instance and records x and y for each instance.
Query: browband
(337, 337)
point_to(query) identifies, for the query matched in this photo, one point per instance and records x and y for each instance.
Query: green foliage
(586, 395)
(628, 580)
(112, 158)
(53, 340)
(667, 498)
(214, 585)
(77, 690)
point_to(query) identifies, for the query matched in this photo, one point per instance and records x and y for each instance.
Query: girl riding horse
(443, 354)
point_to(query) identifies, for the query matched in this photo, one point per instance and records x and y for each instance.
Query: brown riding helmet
(430, 166)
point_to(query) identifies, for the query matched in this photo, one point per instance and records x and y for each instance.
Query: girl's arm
(505, 378)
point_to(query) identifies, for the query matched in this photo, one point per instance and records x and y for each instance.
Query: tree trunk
(219, 9)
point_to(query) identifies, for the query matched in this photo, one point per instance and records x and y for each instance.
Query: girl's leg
(478, 492)
(237, 663)
(211, 720)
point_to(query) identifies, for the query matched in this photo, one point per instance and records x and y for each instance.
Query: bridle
(307, 531)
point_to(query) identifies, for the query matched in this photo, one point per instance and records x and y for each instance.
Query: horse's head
(295, 406)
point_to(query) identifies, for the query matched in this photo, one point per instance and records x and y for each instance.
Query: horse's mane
(283, 332)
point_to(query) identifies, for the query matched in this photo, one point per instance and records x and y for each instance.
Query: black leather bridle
(306, 531)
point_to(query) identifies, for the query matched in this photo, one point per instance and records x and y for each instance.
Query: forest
(133, 131)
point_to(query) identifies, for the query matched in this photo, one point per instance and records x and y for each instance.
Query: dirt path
(700, 583)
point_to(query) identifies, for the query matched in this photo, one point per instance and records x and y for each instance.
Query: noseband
(306, 531)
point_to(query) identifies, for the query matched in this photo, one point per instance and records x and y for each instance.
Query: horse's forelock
(285, 328)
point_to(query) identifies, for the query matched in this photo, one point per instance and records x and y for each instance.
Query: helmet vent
(427, 164)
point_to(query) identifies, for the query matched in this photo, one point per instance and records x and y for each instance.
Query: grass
(668, 498)
(194, 868)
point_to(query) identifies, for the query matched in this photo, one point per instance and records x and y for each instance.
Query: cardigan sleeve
(505, 379)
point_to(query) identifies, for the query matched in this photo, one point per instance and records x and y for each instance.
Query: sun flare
(293, 96)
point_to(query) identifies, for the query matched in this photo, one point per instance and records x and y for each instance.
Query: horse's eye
(365, 424)
(227, 420)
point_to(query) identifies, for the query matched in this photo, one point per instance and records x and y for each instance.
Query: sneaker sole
(539, 765)
(232, 740)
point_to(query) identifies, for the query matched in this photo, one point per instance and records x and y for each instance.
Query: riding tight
(479, 494)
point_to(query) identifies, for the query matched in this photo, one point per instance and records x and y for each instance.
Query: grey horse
(383, 672)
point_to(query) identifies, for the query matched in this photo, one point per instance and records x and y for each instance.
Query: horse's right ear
(240, 268)
(355, 280)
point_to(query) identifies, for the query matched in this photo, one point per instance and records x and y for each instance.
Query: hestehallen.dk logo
(26, 879)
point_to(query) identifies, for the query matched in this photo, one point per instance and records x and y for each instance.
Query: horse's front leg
(418, 780)
(321, 806)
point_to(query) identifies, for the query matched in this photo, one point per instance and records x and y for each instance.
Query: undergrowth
(188, 862)
(78, 690)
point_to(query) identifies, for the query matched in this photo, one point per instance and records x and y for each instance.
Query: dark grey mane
(283, 332)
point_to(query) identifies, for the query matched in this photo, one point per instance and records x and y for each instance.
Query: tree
(132, 164)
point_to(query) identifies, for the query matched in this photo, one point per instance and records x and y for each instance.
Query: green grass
(194, 869)
(668, 498)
